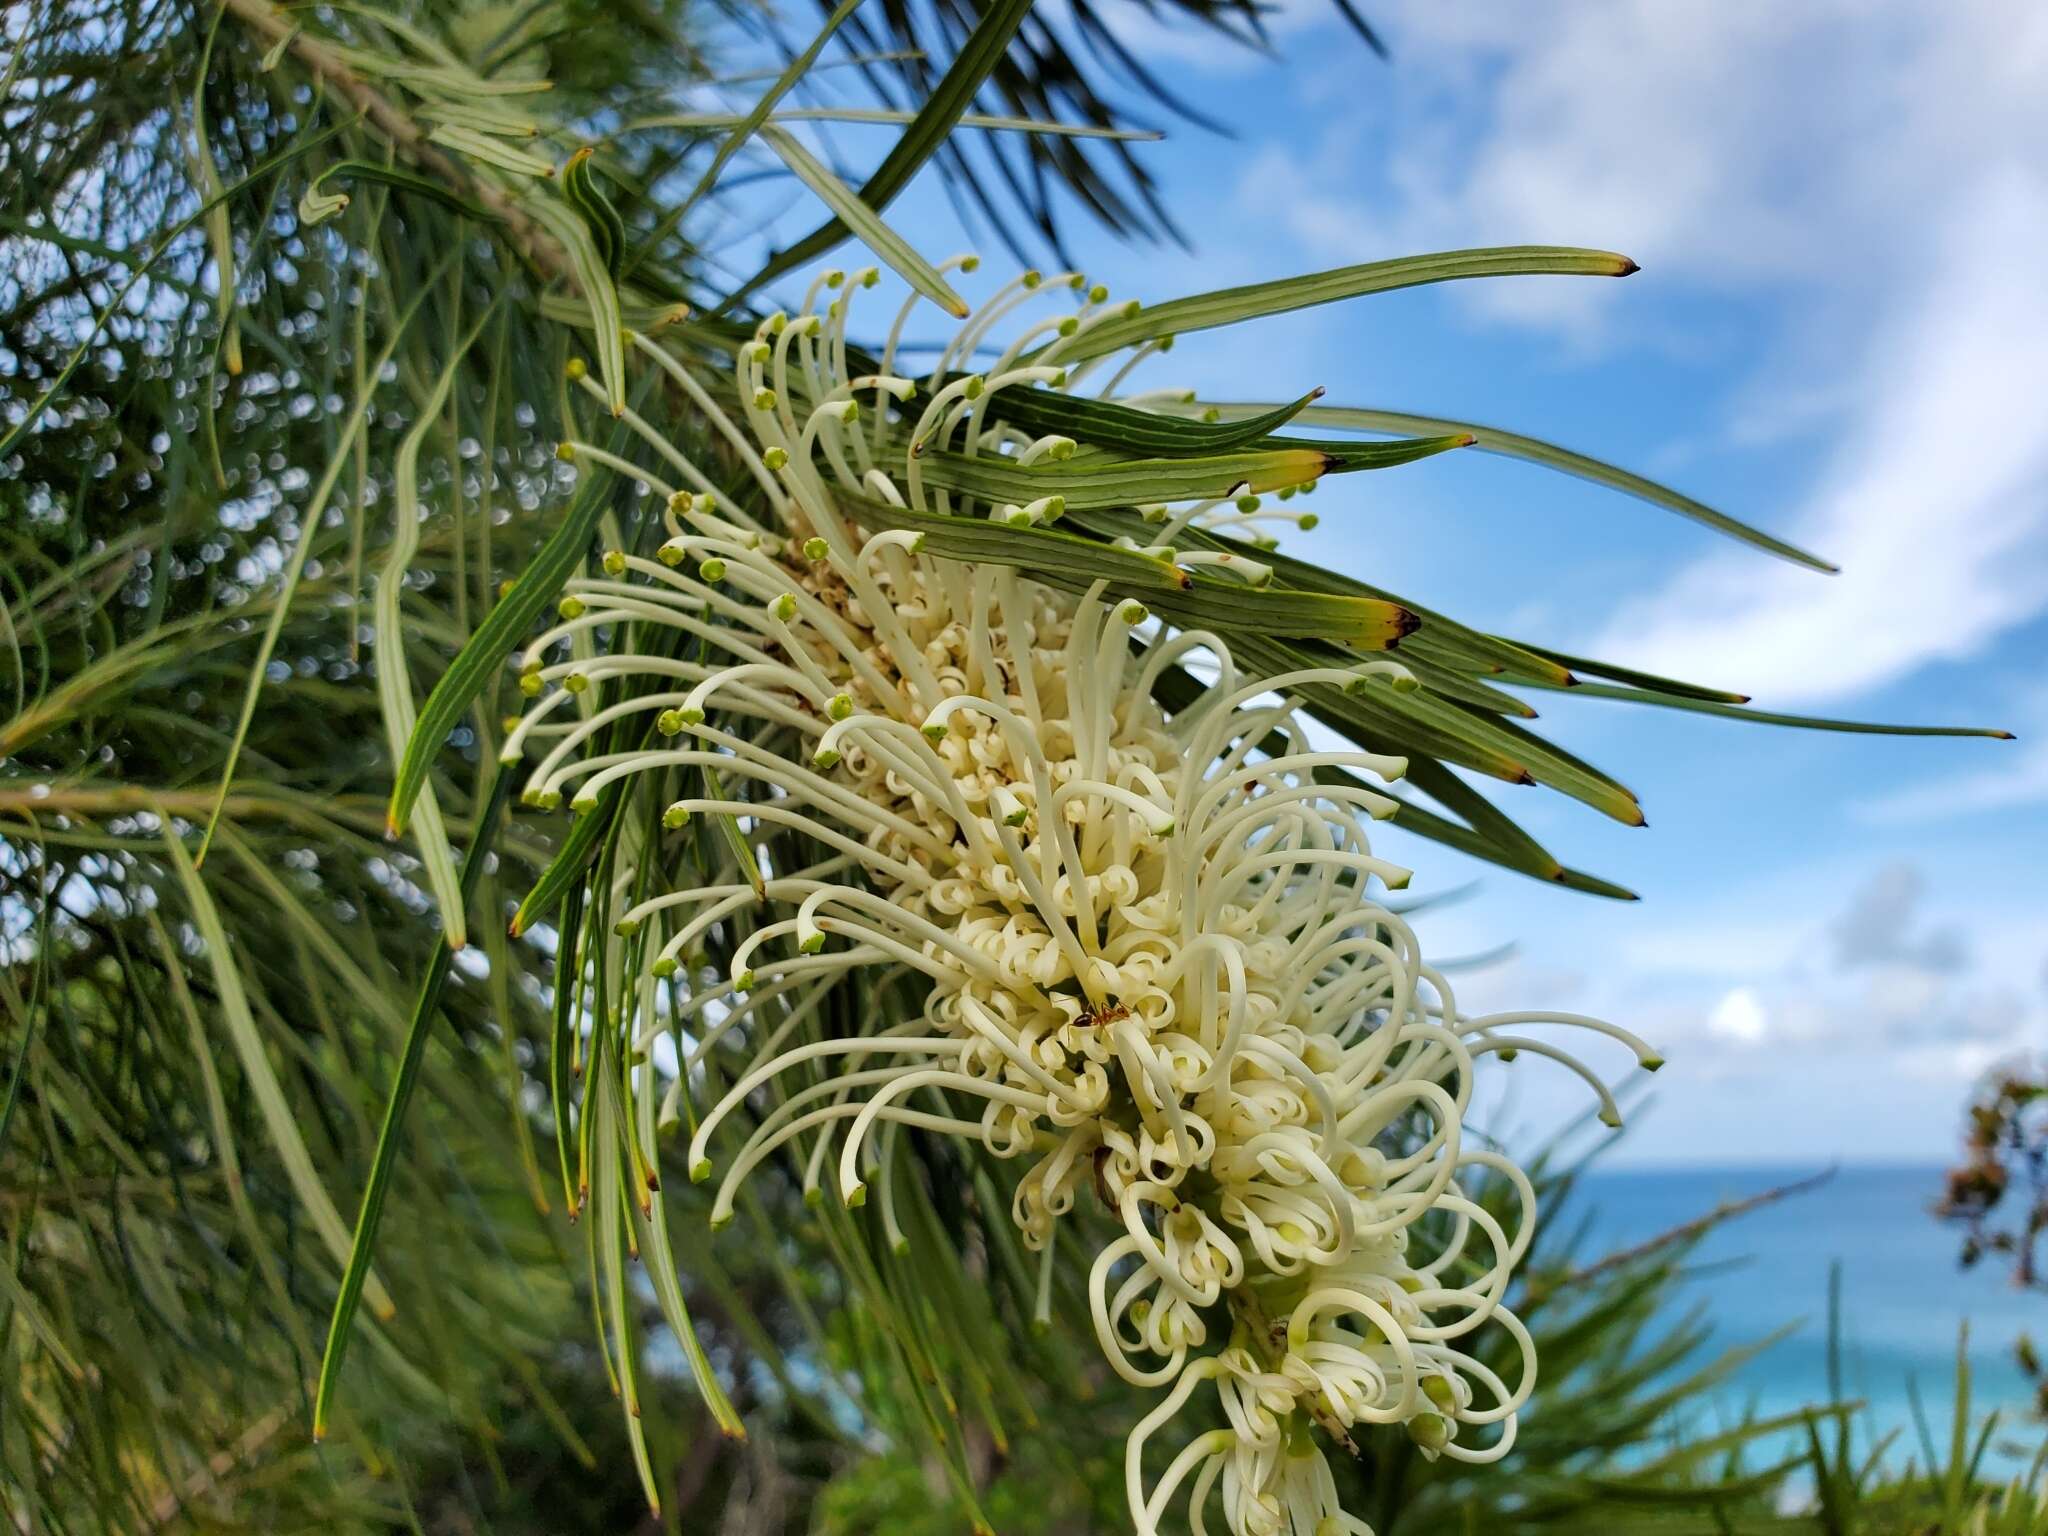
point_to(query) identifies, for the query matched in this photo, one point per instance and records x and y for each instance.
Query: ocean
(1904, 1298)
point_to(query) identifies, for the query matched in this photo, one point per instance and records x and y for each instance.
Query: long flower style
(1154, 970)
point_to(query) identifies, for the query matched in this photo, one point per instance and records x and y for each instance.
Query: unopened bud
(1429, 1432)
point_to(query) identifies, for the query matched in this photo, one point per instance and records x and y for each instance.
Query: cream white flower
(1155, 968)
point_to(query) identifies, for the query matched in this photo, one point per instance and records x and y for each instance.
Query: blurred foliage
(1998, 1193)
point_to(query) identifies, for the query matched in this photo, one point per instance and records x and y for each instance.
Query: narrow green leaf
(562, 1038)
(933, 126)
(1230, 305)
(1535, 451)
(1696, 1449)
(743, 852)
(1551, 764)
(1051, 554)
(16, 1295)
(395, 176)
(865, 223)
(261, 1252)
(1375, 717)
(220, 233)
(480, 659)
(657, 1249)
(608, 1239)
(851, 61)
(394, 678)
(748, 121)
(1438, 829)
(1955, 1476)
(600, 295)
(607, 229)
(1649, 680)
(262, 1077)
(499, 122)
(1434, 671)
(1481, 814)
(1443, 636)
(1126, 429)
(425, 1006)
(482, 147)
(1097, 483)
(1767, 717)
(309, 526)
(1503, 843)
(1363, 623)
(566, 867)
(743, 127)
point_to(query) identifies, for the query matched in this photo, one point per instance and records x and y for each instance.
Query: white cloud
(1958, 1066)
(1882, 927)
(1876, 169)
(1881, 978)
(1935, 499)
(1739, 1017)
(1799, 1001)
(2021, 780)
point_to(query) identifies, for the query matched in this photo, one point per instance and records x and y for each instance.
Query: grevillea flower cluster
(1157, 973)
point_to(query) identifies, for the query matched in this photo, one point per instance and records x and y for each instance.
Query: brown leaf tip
(1628, 268)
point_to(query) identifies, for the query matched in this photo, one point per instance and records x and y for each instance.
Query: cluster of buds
(1153, 965)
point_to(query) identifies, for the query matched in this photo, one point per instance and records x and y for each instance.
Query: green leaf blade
(247, 1040)
(481, 658)
(1228, 306)
(371, 1212)
(1565, 461)
(865, 222)
(926, 136)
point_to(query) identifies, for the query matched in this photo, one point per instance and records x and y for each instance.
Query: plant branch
(533, 242)
(1727, 1210)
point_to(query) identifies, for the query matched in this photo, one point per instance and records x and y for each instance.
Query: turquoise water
(1903, 1296)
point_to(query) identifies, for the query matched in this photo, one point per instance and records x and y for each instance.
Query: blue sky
(1839, 333)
